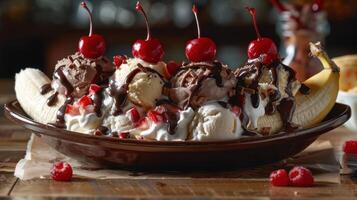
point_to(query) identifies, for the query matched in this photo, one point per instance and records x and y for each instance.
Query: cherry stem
(139, 8)
(252, 12)
(195, 11)
(84, 5)
(281, 7)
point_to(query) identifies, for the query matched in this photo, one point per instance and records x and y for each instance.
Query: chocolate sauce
(58, 74)
(120, 93)
(97, 102)
(60, 122)
(52, 99)
(215, 68)
(171, 115)
(304, 89)
(46, 88)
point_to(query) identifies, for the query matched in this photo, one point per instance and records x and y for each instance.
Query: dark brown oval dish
(135, 154)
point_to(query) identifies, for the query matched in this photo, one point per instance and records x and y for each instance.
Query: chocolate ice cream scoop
(74, 74)
(196, 83)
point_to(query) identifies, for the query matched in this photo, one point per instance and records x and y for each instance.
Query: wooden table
(13, 144)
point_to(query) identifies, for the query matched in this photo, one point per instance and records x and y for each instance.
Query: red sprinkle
(279, 178)
(301, 177)
(350, 146)
(61, 171)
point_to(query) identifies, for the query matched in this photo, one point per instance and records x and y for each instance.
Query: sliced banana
(28, 83)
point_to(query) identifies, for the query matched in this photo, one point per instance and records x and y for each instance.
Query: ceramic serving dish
(112, 152)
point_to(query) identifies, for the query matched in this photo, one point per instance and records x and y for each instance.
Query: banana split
(203, 99)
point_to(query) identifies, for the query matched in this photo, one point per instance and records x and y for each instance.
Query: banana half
(28, 83)
(311, 108)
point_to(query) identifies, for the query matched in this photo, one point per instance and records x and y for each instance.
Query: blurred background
(37, 33)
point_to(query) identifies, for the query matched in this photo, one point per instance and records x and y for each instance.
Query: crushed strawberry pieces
(134, 115)
(72, 109)
(94, 88)
(155, 116)
(124, 135)
(85, 101)
(350, 146)
(298, 177)
(119, 60)
(236, 110)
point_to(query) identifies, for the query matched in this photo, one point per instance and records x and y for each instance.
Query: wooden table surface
(13, 141)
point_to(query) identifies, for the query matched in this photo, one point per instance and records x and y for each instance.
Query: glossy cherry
(262, 46)
(150, 49)
(202, 48)
(93, 45)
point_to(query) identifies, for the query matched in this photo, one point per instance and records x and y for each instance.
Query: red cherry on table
(93, 45)
(202, 48)
(61, 171)
(150, 49)
(262, 46)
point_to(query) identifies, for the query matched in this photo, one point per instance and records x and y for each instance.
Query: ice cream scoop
(74, 74)
(141, 84)
(213, 122)
(197, 83)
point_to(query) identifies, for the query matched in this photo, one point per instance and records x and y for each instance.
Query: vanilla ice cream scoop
(143, 83)
(213, 122)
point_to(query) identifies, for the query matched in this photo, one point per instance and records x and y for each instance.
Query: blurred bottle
(297, 27)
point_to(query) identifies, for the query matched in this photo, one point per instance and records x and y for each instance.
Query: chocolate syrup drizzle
(286, 106)
(214, 68)
(120, 93)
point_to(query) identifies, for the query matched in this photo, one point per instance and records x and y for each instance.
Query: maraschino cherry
(150, 49)
(202, 48)
(262, 45)
(93, 45)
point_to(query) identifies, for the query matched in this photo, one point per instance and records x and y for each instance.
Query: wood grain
(158, 188)
(7, 181)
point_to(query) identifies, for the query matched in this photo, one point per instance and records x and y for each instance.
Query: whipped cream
(159, 131)
(86, 122)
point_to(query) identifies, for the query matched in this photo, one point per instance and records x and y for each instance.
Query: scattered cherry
(301, 177)
(279, 178)
(350, 146)
(93, 45)
(61, 171)
(118, 61)
(262, 45)
(202, 48)
(172, 67)
(150, 49)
